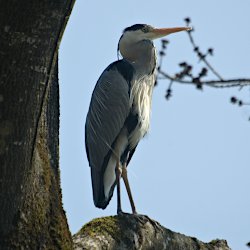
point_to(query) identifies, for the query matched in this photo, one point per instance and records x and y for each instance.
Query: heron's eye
(145, 29)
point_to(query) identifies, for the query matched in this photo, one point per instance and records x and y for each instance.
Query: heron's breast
(141, 96)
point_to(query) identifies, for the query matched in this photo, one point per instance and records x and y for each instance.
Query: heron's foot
(120, 212)
(134, 212)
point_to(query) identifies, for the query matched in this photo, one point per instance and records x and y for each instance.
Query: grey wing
(108, 111)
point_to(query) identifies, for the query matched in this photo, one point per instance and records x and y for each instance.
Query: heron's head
(139, 32)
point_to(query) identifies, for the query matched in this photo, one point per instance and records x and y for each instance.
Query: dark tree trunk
(31, 213)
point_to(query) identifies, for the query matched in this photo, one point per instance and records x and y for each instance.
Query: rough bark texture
(136, 232)
(31, 214)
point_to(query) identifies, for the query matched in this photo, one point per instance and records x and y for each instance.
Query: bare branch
(186, 75)
(241, 82)
(201, 56)
(129, 231)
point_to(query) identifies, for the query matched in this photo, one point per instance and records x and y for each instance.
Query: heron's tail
(100, 200)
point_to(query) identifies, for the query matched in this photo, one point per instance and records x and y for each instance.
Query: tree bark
(136, 232)
(31, 213)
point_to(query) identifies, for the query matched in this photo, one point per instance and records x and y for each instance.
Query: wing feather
(109, 108)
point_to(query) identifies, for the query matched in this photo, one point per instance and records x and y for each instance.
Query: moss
(136, 232)
(105, 225)
(213, 242)
(42, 220)
(120, 228)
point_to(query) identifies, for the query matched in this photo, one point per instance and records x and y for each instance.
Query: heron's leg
(125, 179)
(118, 172)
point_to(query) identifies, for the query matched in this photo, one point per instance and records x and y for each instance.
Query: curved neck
(141, 54)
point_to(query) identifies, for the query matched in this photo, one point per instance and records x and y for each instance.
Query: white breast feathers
(141, 99)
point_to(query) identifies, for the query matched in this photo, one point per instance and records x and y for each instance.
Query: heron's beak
(157, 33)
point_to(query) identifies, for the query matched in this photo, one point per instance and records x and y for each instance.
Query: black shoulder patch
(124, 68)
(131, 122)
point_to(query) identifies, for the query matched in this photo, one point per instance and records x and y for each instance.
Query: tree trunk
(31, 213)
(136, 232)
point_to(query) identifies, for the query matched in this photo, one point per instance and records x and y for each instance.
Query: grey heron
(119, 111)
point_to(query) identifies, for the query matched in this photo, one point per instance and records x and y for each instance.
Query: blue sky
(191, 172)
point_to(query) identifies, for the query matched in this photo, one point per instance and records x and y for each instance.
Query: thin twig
(241, 82)
(203, 58)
